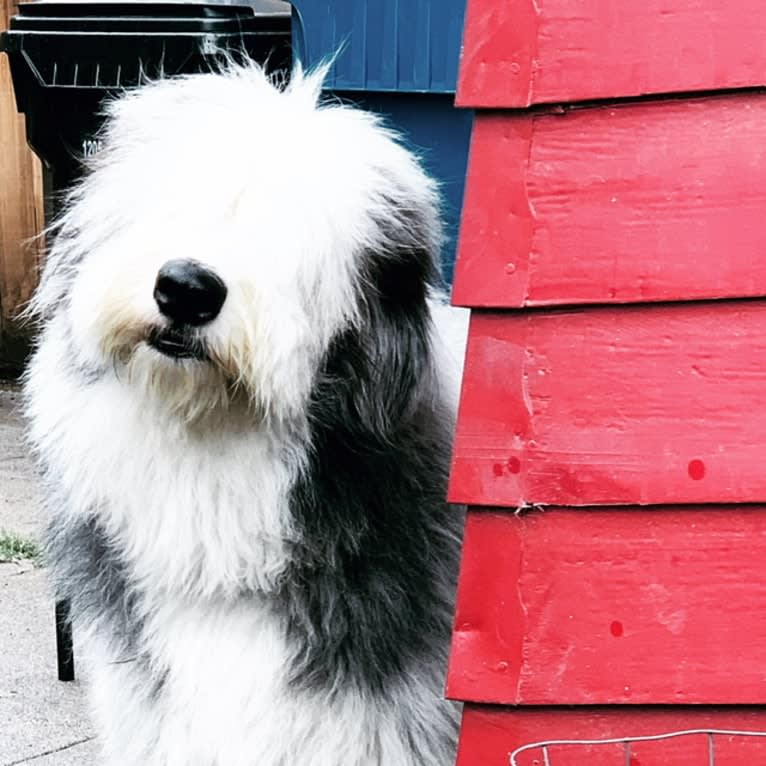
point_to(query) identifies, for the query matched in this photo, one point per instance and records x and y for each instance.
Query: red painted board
(654, 201)
(521, 52)
(612, 606)
(489, 736)
(630, 405)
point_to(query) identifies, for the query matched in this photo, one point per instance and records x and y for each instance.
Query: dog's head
(232, 235)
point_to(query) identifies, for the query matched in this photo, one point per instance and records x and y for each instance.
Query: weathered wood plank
(21, 214)
(612, 606)
(628, 405)
(654, 201)
(489, 735)
(522, 52)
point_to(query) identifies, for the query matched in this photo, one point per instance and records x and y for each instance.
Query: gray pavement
(19, 498)
(42, 722)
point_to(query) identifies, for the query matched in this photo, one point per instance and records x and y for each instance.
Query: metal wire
(628, 741)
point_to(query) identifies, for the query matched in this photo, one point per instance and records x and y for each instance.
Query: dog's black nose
(188, 293)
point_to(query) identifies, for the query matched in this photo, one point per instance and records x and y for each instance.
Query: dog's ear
(379, 369)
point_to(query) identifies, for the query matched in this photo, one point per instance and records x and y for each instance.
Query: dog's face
(230, 234)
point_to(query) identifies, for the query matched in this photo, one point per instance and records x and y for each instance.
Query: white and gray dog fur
(243, 407)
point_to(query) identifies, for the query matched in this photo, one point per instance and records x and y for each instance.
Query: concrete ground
(42, 722)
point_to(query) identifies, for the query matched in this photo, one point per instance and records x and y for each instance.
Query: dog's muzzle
(177, 342)
(189, 295)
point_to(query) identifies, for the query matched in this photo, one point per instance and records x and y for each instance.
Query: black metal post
(64, 645)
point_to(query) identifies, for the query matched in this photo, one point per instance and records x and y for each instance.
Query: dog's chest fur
(196, 565)
(199, 512)
(225, 701)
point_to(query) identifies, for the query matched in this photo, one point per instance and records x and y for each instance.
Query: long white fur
(159, 451)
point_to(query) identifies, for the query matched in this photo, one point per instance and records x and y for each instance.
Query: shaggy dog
(243, 414)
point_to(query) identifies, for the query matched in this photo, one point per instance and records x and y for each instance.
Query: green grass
(14, 548)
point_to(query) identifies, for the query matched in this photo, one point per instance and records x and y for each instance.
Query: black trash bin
(66, 56)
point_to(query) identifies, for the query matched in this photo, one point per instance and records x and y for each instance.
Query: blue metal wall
(387, 45)
(399, 59)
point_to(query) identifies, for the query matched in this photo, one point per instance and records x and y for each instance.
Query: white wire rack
(546, 750)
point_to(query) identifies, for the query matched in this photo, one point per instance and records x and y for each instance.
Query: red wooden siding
(612, 606)
(643, 202)
(522, 52)
(490, 734)
(629, 405)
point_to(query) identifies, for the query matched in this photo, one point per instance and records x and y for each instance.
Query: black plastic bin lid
(107, 45)
(145, 17)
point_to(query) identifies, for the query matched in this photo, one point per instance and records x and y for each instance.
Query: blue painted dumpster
(398, 58)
